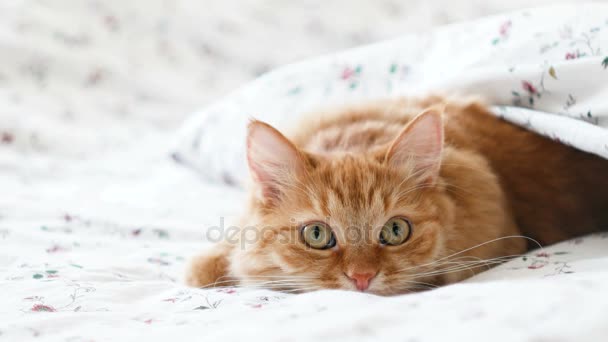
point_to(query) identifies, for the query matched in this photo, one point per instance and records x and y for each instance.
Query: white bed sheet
(97, 223)
(100, 253)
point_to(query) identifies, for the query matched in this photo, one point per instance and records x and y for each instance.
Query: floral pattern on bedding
(536, 67)
(72, 282)
(96, 225)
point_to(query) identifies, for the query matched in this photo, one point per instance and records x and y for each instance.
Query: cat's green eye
(395, 231)
(318, 235)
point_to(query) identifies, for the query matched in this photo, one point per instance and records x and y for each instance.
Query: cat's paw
(210, 269)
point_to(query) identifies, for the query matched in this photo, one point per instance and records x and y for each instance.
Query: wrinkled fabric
(97, 223)
(544, 69)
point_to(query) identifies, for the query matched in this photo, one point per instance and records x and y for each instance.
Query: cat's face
(369, 222)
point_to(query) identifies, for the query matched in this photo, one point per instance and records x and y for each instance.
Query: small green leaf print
(294, 91)
(37, 276)
(495, 41)
(393, 68)
(51, 271)
(605, 63)
(158, 261)
(358, 69)
(552, 72)
(75, 265)
(163, 234)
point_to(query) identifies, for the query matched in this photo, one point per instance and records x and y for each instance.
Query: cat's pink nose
(361, 280)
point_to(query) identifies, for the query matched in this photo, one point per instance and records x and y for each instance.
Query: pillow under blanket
(545, 68)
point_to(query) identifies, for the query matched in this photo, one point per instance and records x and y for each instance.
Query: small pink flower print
(536, 265)
(149, 321)
(347, 73)
(571, 55)
(55, 249)
(95, 76)
(172, 300)
(158, 261)
(6, 138)
(505, 28)
(111, 22)
(42, 308)
(529, 87)
(228, 291)
(67, 218)
(542, 255)
(136, 232)
(256, 306)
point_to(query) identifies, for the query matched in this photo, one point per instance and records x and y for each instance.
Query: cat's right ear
(272, 159)
(420, 144)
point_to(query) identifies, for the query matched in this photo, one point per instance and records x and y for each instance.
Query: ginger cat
(376, 198)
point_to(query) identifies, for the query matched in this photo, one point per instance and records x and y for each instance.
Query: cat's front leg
(211, 268)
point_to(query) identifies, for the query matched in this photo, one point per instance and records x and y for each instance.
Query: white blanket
(97, 224)
(545, 69)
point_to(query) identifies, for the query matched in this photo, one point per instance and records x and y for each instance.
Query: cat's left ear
(420, 143)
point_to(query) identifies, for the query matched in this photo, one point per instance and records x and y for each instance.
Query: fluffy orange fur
(468, 182)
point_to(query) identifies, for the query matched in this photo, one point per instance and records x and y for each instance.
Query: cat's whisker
(432, 263)
(474, 262)
(450, 270)
(263, 281)
(412, 287)
(492, 241)
(285, 276)
(461, 266)
(281, 284)
(420, 283)
(232, 284)
(458, 266)
(220, 284)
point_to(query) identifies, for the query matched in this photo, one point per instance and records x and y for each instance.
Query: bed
(98, 219)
